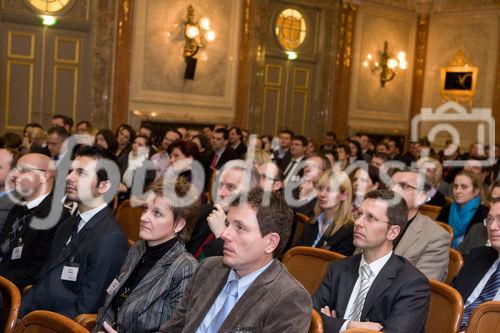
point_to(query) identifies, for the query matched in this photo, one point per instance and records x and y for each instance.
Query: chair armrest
(87, 320)
(26, 289)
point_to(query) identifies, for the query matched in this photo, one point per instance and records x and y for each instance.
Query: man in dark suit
(247, 289)
(376, 290)
(292, 168)
(88, 248)
(221, 152)
(24, 248)
(235, 140)
(8, 160)
(479, 279)
(282, 154)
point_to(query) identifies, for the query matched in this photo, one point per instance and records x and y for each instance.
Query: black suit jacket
(476, 265)
(36, 244)
(340, 242)
(227, 155)
(398, 299)
(282, 161)
(241, 150)
(99, 250)
(478, 217)
(203, 242)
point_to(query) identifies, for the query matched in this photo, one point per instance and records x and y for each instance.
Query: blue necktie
(229, 302)
(487, 294)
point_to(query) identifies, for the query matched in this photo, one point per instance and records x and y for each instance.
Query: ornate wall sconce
(196, 35)
(386, 63)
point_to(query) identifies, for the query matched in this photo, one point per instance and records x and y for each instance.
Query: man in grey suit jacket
(376, 290)
(423, 242)
(246, 289)
(88, 248)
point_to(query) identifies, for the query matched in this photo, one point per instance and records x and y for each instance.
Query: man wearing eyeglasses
(422, 242)
(479, 279)
(377, 289)
(8, 159)
(23, 248)
(271, 177)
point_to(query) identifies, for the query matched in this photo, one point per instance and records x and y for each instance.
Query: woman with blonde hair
(333, 225)
(467, 207)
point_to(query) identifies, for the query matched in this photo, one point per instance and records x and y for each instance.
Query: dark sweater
(148, 260)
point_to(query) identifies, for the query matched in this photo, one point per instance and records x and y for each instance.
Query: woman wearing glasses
(467, 208)
(157, 269)
(333, 225)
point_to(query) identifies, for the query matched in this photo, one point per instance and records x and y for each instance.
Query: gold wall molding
(276, 109)
(7, 91)
(11, 35)
(76, 58)
(56, 69)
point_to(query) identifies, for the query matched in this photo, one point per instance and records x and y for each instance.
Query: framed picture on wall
(459, 81)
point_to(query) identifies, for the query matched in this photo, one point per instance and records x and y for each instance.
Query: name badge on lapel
(17, 252)
(70, 272)
(112, 287)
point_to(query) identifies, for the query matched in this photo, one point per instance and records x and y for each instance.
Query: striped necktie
(487, 294)
(365, 273)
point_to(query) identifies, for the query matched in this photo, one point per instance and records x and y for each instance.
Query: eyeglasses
(264, 177)
(23, 170)
(358, 215)
(405, 186)
(490, 219)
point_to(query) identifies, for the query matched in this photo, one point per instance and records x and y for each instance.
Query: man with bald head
(8, 159)
(23, 248)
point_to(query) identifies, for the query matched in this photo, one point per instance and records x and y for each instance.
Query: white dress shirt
(480, 286)
(34, 203)
(375, 267)
(85, 218)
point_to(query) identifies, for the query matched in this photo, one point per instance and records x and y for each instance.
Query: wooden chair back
(41, 321)
(454, 265)
(11, 301)
(309, 265)
(316, 322)
(430, 210)
(129, 218)
(446, 309)
(87, 320)
(446, 227)
(302, 220)
(486, 318)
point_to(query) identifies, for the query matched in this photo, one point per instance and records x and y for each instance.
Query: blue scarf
(460, 218)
